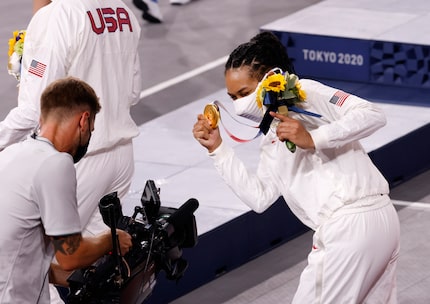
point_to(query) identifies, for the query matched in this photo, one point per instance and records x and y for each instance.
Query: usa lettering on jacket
(110, 19)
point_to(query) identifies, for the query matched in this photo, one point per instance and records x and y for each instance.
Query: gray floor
(191, 37)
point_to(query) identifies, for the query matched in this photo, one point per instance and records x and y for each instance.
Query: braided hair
(261, 54)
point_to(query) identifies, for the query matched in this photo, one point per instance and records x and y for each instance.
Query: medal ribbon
(241, 140)
(232, 136)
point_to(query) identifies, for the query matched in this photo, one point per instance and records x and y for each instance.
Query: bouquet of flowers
(286, 86)
(281, 90)
(16, 47)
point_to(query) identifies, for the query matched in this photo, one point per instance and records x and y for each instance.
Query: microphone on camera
(181, 217)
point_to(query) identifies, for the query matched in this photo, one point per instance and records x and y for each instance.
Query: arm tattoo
(67, 244)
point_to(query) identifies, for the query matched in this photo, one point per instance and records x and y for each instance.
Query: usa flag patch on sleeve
(339, 98)
(37, 68)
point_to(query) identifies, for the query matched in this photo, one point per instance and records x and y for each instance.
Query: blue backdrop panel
(405, 157)
(400, 64)
(368, 61)
(328, 57)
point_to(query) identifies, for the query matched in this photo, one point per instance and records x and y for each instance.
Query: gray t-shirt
(38, 199)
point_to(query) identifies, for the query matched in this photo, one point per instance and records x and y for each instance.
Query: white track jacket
(315, 183)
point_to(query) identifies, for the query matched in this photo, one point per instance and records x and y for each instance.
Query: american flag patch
(339, 98)
(37, 68)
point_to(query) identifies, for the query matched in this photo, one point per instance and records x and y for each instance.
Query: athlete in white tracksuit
(96, 41)
(333, 188)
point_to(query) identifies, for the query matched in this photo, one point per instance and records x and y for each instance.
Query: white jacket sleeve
(351, 118)
(50, 63)
(17, 125)
(255, 190)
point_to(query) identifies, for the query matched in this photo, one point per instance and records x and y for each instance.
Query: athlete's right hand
(205, 135)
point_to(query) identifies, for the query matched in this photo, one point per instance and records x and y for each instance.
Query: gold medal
(211, 112)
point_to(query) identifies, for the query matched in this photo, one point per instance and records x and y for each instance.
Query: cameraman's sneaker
(179, 2)
(150, 10)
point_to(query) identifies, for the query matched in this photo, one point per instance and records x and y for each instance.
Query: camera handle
(110, 210)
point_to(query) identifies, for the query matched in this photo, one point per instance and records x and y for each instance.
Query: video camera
(158, 236)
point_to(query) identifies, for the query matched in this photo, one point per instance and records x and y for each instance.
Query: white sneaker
(179, 2)
(150, 10)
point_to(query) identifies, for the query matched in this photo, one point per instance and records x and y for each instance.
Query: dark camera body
(158, 236)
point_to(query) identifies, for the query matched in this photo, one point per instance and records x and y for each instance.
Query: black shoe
(150, 9)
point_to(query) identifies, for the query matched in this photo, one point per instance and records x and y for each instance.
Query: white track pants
(98, 175)
(353, 258)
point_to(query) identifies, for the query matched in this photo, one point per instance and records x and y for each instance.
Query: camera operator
(39, 217)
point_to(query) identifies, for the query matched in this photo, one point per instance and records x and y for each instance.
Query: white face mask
(247, 107)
